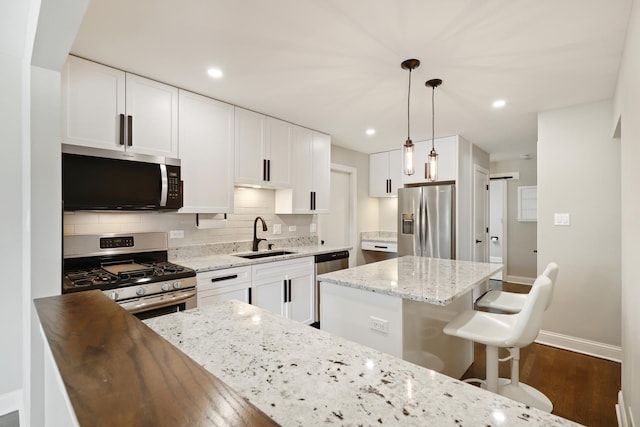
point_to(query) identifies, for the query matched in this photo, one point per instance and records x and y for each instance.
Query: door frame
(505, 220)
(353, 197)
(478, 168)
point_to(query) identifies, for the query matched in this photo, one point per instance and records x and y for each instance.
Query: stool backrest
(529, 320)
(552, 273)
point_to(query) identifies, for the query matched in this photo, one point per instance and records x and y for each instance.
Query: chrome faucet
(257, 241)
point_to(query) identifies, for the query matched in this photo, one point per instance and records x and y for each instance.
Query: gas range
(131, 269)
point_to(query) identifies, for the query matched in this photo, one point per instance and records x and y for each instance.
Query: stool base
(524, 393)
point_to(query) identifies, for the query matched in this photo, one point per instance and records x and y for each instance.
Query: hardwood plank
(117, 371)
(582, 388)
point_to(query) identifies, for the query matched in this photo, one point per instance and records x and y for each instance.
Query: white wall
(522, 237)
(367, 215)
(11, 226)
(579, 174)
(628, 102)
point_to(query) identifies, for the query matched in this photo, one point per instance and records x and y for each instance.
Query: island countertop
(431, 280)
(298, 375)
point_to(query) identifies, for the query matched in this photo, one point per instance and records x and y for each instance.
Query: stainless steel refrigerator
(426, 221)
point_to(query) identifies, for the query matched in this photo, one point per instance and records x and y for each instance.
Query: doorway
(480, 213)
(498, 225)
(338, 227)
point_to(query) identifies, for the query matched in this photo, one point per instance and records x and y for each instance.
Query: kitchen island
(400, 306)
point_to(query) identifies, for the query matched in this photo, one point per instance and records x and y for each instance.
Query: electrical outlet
(277, 228)
(313, 228)
(176, 234)
(292, 228)
(378, 324)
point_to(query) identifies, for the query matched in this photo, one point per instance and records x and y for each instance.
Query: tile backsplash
(249, 203)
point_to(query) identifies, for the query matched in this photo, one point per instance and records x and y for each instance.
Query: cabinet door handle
(269, 170)
(121, 129)
(286, 297)
(314, 200)
(311, 200)
(264, 169)
(129, 131)
(219, 279)
(249, 289)
(380, 247)
(289, 284)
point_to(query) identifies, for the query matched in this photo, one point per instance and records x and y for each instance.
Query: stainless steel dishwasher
(326, 263)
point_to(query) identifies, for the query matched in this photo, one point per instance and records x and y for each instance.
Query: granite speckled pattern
(431, 280)
(212, 262)
(301, 376)
(379, 236)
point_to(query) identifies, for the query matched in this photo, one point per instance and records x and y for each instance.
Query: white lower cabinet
(223, 285)
(285, 288)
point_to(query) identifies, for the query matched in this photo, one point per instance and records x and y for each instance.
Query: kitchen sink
(264, 254)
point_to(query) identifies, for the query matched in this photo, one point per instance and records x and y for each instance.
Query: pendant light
(431, 167)
(408, 148)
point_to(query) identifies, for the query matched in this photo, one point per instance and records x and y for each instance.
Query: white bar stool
(511, 302)
(511, 331)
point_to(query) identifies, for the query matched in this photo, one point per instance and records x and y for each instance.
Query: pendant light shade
(431, 167)
(408, 158)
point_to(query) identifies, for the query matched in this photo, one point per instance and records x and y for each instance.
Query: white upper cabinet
(385, 173)
(447, 149)
(152, 117)
(206, 153)
(107, 108)
(93, 105)
(311, 174)
(263, 150)
(278, 152)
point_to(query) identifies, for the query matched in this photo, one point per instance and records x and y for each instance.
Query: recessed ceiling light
(214, 72)
(499, 103)
(370, 131)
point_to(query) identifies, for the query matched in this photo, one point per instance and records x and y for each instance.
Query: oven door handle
(158, 301)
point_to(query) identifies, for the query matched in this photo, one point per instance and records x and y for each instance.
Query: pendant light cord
(433, 119)
(408, 104)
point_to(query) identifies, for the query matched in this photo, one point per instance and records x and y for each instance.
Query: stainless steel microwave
(97, 179)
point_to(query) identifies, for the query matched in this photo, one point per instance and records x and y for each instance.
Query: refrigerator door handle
(423, 230)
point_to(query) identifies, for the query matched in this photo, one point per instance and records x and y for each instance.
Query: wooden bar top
(118, 372)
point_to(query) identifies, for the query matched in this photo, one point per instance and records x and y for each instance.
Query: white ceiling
(334, 65)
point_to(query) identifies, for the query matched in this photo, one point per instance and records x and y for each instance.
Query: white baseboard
(621, 413)
(579, 345)
(520, 280)
(10, 402)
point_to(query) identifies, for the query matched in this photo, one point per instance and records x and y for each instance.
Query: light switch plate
(292, 228)
(313, 228)
(378, 324)
(563, 219)
(277, 228)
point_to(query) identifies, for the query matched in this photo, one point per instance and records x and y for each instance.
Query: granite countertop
(379, 236)
(210, 262)
(432, 280)
(302, 376)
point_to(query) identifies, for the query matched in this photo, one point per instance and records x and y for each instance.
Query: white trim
(579, 345)
(10, 402)
(621, 414)
(520, 280)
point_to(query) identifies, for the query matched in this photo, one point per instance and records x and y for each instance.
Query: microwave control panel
(174, 193)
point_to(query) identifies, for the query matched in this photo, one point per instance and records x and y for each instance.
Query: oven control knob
(165, 287)
(177, 284)
(140, 291)
(113, 295)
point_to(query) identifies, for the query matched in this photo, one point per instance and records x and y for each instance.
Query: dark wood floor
(582, 388)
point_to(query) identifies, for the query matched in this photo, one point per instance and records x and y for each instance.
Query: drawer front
(379, 246)
(239, 292)
(219, 279)
(281, 268)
